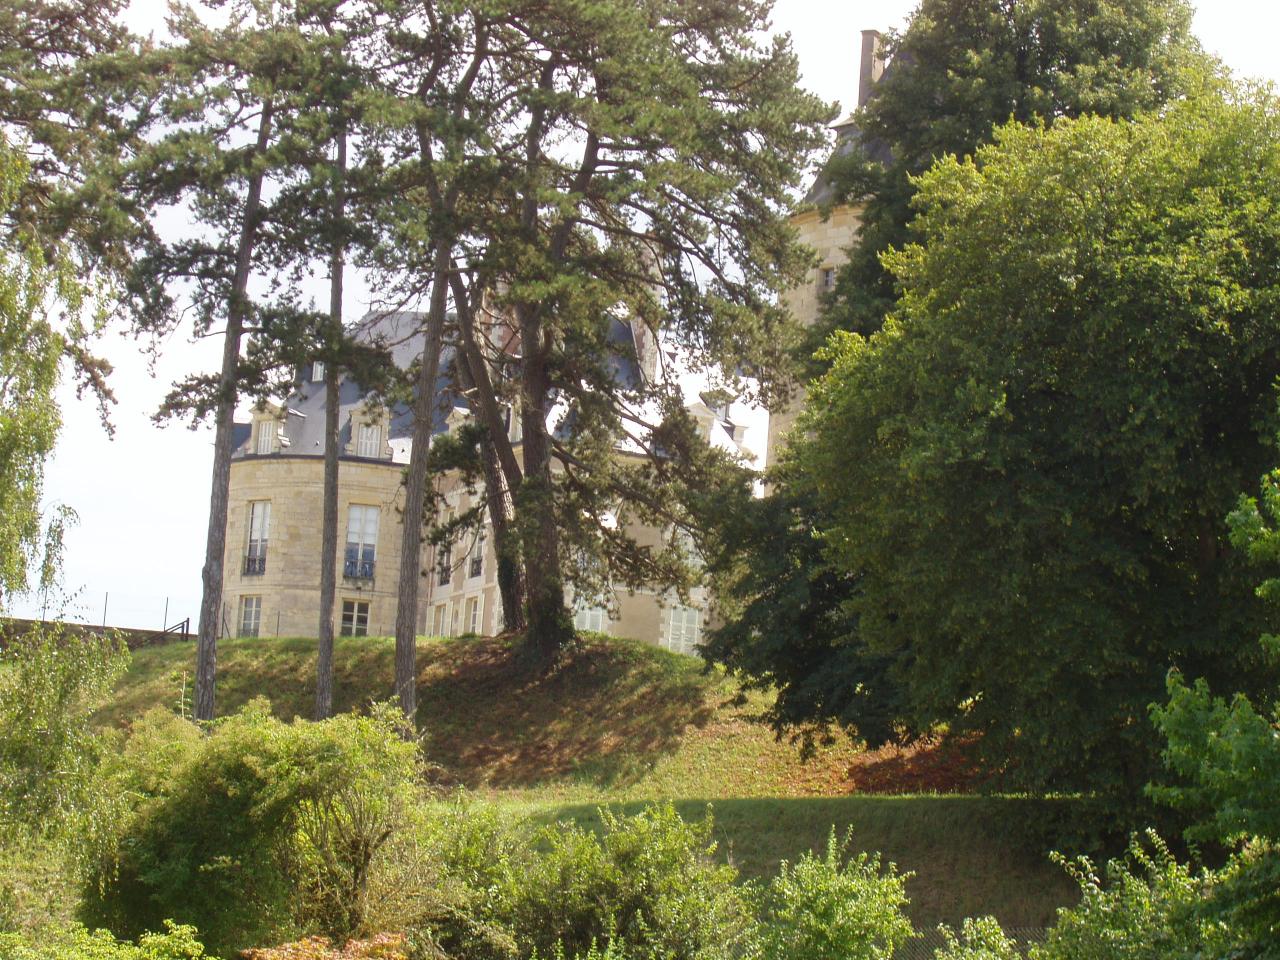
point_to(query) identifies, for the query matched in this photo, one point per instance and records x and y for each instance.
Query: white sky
(143, 497)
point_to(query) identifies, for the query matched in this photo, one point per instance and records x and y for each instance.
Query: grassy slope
(622, 722)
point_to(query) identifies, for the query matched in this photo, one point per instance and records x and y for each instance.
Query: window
(444, 559)
(453, 619)
(317, 371)
(255, 555)
(828, 281)
(369, 440)
(355, 618)
(684, 629)
(266, 437)
(438, 621)
(688, 549)
(477, 555)
(250, 616)
(362, 541)
(471, 615)
(590, 618)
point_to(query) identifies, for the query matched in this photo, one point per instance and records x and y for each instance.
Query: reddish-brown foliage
(385, 946)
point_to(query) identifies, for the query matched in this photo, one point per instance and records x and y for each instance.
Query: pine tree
(582, 162)
(238, 103)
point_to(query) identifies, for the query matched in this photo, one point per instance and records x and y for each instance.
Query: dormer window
(266, 438)
(369, 441)
(317, 372)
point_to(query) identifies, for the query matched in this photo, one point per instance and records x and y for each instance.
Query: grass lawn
(625, 723)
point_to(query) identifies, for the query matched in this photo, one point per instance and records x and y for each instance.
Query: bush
(258, 831)
(52, 803)
(385, 946)
(830, 908)
(646, 885)
(1144, 911)
(50, 684)
(980, 939)
(176, 943)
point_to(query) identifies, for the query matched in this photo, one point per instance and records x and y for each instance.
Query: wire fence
(927, 942)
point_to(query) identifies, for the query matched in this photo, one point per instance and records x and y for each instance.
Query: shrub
(77, 943)
(980, 939)
(646, 884)
(385, 946)
(833, 908)
(464, 853)
(258, 831)
(50, 684)
(37, 886)
(644, 887)
(52, 801)
(1144, 911)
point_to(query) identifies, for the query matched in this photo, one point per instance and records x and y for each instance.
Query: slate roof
(304, 418)
(401, 334)
(849, 139)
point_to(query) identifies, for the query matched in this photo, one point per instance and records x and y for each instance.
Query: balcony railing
(357, 569)
(255, 564)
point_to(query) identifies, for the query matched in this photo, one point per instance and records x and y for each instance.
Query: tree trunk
(224, 424)
(511, 586)
(416, 489)
(506, 546)
(329, 535)
(548, 626)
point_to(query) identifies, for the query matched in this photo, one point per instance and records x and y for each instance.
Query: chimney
(872, 64)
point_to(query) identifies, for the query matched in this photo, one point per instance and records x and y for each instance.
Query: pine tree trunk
(224, 421)
(415, 492)
(548, 627)
(328, 546)
(511, 587)
(506, 546)
(503, 475)
(329, 535)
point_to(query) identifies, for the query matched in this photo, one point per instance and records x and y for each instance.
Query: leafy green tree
(959, 69)
(1028, 466)
(784, 623)
(30, 351)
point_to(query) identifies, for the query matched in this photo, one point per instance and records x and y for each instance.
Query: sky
(142, 497)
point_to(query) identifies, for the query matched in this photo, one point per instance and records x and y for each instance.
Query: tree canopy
(1029, 467)
(959, 69)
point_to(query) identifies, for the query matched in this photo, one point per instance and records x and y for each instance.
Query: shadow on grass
(607, 713)
(966, 857)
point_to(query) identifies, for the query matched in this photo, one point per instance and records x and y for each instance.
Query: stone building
(829, 230)
(272, 560)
